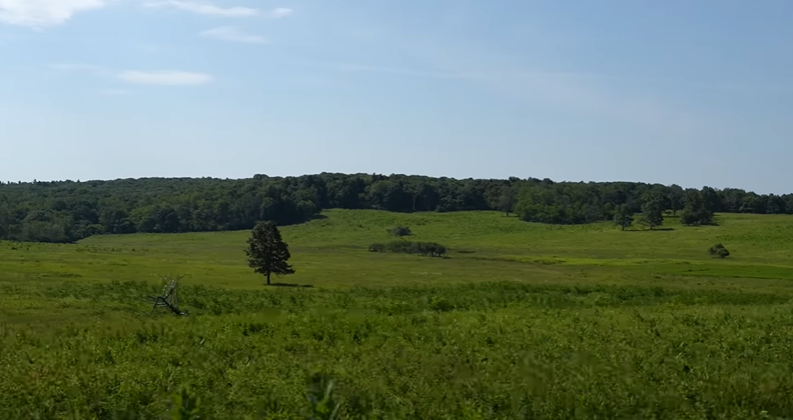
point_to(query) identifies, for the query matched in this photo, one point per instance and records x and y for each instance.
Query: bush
(719, 251)
(376, 248)
(406, 247)
(400, 231)
(440, 304)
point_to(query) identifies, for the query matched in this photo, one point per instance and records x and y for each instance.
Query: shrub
(440, 304)
(407, 247)
(400, 231)
(719, 251)
(376, 248)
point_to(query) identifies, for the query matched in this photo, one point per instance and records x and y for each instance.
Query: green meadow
(519, 321)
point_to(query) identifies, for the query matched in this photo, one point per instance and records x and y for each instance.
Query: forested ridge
(66, 211)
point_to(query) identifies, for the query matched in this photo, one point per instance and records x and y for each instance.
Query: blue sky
(688, 92)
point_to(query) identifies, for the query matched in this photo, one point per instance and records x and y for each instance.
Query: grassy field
(520, 321)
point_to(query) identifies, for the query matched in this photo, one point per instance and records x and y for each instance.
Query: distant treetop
(67, 211)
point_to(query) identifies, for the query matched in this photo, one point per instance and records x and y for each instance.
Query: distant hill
(68, 211)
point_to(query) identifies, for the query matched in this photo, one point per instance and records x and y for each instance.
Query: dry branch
(169, 298)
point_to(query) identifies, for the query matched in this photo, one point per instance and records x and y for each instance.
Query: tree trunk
(268, 278)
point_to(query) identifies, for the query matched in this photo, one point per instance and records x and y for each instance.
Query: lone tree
(267, 252)
(623, 217)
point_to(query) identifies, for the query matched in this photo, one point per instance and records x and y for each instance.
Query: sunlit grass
(520, 321)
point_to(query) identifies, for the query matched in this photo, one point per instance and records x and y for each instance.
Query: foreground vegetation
(521, 320)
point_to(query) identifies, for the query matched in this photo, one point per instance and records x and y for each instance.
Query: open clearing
(521, 321)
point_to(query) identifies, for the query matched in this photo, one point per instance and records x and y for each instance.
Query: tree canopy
(67, 211)
(696, 210)
(623, 217)
(267, 252)
(653, 210)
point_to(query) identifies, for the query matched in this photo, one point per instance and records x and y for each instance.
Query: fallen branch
(169, 298)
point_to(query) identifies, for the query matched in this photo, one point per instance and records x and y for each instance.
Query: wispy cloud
(206, 8)
(598, 96)
(43, 13)
(228, 33)
(282, 12)
(588, 94)
(165, 78)
(210, 9)
(157, 78)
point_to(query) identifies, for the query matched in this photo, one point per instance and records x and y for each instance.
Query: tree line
(65, 211)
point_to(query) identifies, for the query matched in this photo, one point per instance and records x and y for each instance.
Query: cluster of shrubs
(719, 251)
(400, 231)
(431, 249)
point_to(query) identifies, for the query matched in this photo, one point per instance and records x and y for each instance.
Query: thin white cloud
(43, 13)
(209, 9)
(282, 12)
(206, 8)
(593, 95)
(228, 33)
(165, 78)
(156, 78)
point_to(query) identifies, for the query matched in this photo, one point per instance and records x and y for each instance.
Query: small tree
(623, 217)
(695, 211)
(676, 196)
(652, 212)
(698, 215)
(719, 251)
(267, 252)
(507, 200)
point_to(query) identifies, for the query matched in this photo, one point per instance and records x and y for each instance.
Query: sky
(677, 91)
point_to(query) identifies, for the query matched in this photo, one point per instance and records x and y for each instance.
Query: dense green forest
(68, 211)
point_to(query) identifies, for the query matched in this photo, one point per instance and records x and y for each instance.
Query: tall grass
(501, 350)
(528, 321)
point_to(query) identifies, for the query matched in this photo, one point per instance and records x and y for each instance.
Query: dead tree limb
(169, 298)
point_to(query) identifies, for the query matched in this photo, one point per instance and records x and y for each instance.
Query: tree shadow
(288, 285)
(649, 230)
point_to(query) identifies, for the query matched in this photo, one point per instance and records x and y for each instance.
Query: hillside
(484, 246)
(68, 211)
(522, 320)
